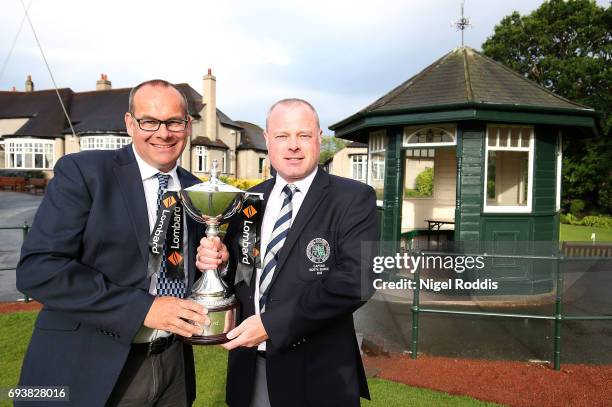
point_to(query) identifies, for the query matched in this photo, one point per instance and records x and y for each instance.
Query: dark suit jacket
(85, 259)
(312, 354)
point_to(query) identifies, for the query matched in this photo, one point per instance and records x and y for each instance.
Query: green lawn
(15, 330)
(573, 233)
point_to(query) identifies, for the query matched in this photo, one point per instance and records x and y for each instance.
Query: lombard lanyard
(169, 218)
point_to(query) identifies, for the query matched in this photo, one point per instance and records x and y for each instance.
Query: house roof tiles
(252, 137)
(90, 112)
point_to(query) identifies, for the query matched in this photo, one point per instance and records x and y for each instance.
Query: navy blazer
(85, 259)
(312, 354)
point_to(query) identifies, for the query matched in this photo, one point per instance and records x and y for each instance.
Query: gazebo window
(508, 169)
(559, 163)
(376, 161)
(435, 136)
(104, 142)
(29, 154)
(420, 153)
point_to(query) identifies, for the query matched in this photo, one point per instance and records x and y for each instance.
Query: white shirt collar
(302, 185)
(148, 171)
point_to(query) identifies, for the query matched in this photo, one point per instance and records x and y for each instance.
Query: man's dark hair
(161, 83)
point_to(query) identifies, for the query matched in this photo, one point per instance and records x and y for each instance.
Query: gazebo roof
(465, 81)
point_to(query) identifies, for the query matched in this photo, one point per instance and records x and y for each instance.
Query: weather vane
(462, 24)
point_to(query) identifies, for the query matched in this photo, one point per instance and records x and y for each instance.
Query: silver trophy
(213, 203)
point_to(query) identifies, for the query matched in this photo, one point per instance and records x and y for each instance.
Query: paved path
(15, 209)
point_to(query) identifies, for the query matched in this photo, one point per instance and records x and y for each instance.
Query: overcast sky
(339, 54)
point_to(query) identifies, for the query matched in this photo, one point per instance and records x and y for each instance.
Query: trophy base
(222, 320)
(204, 340)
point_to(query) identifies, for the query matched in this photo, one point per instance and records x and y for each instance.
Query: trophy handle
(233, 208)
(237, 204)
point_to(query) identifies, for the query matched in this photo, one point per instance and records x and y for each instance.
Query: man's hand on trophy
(249, 333)
(171, 314)
(212, 254)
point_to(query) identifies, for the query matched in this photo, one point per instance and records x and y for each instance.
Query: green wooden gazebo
(492, 139)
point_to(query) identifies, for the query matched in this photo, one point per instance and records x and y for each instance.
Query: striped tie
(277, 239)
(166, 286)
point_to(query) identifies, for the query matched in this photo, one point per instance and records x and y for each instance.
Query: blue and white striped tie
(166, 286)
(277, 239)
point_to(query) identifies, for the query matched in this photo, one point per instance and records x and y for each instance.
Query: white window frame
(21, 146)
(559, 175)
(103, 142)
(201, 151)
(530, 150)
(377, 144)
(359, 160)
(411, 132)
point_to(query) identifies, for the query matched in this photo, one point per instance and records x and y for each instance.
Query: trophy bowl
(212, 203)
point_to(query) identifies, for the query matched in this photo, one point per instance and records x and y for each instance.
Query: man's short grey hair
(292, 101)
(161, 83)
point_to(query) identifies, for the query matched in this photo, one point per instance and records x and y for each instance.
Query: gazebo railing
(559, 318)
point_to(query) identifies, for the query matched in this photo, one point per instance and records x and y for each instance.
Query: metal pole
(483, 313)
(558, 312)
(26, 229)
(415, 315)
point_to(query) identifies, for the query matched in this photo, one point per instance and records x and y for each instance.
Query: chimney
(209, 98)
(103, 83)
(29, 85)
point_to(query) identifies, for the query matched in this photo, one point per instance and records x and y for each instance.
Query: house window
(29, 154)
(377, 147)
(224, 162)
(201, 158)
(261, 165)
(359, 164)
(508, 169)
(104, 142)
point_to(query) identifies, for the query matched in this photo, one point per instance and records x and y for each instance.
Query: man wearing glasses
(107, 330)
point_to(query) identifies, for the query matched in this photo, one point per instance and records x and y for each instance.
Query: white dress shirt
(273, 208)
(151, 185)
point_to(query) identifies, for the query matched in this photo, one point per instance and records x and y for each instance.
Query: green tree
(329, 146)
(566, 46)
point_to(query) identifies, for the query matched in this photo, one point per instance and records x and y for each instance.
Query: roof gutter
(468, 105)
(353, 125)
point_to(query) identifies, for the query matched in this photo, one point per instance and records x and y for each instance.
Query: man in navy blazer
(103, 332)
(296, 343)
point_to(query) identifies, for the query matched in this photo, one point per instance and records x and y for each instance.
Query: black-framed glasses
(152, 125)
